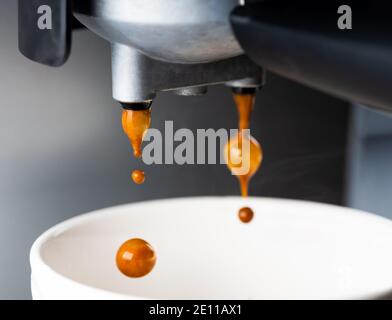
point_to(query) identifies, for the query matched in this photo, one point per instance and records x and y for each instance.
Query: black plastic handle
(49, 46)
(302, 41)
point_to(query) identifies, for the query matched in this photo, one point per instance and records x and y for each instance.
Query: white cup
(290, 250)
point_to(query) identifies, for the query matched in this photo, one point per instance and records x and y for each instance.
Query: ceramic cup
(290, 250)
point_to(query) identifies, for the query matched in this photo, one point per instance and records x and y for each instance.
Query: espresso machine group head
(157, 45)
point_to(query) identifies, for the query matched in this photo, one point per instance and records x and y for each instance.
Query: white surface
(291, 250)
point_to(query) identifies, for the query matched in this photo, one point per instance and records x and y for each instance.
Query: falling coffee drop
(238, 157)
(135, 124)
(138, 176)
(135, 258)
(245, 214)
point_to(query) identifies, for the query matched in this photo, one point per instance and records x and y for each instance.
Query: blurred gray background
(63, 151)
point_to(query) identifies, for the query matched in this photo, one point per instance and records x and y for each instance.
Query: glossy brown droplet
(138, 176)
(245, 214)
(135, 258)
(238, 157)
(135, 124)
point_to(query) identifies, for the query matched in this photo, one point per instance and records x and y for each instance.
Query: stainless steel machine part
(137, 77)
(191, 91)
(186, 31)
(162, 45)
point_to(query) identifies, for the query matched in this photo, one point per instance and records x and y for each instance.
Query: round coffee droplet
(236, 158)
(245, 214)
(135, 258)
(138, 176)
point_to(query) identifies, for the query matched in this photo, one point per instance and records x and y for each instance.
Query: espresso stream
(135, 124)
(236, 158)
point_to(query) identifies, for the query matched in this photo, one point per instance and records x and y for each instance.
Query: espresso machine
(185, 46)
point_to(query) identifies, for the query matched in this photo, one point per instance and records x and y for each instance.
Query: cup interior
(290, 250)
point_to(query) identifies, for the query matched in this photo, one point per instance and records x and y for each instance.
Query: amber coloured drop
(245, 214)
(135, 258)
(236, 159)
(135, 124)
(138, 176)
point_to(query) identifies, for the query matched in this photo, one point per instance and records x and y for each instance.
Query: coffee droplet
(237, 159)
(135, 258)
(138, 176)
(245, 214)
(135, 124)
